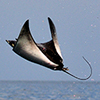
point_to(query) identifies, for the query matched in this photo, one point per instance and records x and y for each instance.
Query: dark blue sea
(49, 90)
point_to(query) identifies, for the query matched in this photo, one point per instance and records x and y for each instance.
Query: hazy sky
(78, 29)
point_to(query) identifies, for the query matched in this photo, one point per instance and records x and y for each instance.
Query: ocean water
(49, 90)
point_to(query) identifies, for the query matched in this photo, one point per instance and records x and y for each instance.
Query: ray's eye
(12, 45)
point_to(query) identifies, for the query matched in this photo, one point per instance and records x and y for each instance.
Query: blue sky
(78, 29)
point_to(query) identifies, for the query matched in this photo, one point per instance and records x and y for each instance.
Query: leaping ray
(47, 54)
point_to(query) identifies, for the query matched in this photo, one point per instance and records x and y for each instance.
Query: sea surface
(49, 90)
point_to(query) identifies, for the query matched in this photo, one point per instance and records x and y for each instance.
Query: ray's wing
(49, 50)
(54, 36)
(47, 54)
(28, 49)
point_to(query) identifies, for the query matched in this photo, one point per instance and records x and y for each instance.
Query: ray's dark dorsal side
(47, 54)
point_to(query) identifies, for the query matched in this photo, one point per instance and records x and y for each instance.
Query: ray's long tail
(64, 70)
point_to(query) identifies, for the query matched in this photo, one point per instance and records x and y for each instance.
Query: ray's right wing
(54, 36)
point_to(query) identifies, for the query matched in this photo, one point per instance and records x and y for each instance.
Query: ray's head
(12, 43)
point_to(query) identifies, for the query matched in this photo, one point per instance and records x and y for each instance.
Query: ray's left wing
(26, 47)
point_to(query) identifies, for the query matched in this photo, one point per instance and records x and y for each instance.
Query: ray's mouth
(7, 41)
